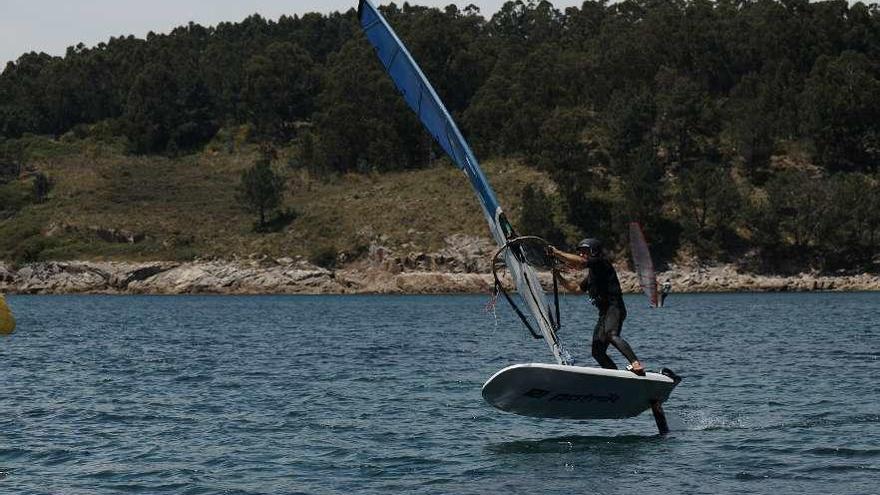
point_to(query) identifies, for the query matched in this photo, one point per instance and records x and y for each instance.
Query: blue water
(381, 394)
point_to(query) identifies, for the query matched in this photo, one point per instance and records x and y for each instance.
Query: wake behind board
(575, 392)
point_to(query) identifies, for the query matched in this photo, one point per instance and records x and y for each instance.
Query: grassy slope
(186, 207)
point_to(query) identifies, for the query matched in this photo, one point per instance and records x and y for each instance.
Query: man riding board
(603, 288)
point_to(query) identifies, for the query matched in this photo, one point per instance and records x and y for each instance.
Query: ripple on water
(844, 452)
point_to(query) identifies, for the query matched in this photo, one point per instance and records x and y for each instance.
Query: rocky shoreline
(461, 267)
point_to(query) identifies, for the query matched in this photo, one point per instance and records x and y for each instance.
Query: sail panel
(423, 100)
(642, 262)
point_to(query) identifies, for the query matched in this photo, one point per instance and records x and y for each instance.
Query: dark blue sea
(381, 394)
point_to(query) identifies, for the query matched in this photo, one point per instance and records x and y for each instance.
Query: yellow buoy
(7, 321)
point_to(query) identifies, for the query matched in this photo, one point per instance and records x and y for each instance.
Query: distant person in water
(665, 289)
(603, 288)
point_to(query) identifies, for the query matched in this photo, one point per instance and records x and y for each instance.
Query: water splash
(704, 421)
(492, 307)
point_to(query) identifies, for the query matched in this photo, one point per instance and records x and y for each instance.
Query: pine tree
(261, 190)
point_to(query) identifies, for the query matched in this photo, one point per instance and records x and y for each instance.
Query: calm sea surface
(381, 394)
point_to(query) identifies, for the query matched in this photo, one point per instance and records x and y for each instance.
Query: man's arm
(569, 259)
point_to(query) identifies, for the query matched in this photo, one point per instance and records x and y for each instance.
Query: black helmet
(593, 246)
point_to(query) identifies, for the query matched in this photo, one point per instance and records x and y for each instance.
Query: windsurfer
(603, 288)
(665, 289)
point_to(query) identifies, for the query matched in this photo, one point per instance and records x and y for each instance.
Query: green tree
(167, 111)
(628, 117)
(41, 186)
(787, 219)
(709, 205)
(642, 198)
(150, 109)
(261, 190)
(365, 125)
(850, 232)
(841, 103)
(279, 88)
(569, 145)
(536, 216)
(761, 112)
(686, 125)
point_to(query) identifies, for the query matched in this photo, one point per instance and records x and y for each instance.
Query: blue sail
(421, 97)
(423, 100)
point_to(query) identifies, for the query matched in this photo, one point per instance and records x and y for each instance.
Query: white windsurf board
(575, 392)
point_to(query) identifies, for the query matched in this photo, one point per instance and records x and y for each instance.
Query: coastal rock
(217, 277)
(62, 278)
(367, 280)
(466, 254)
(461, 254)
(7, 276)
(185, 279)
(380, 273)
(290, 280)
(122, 277)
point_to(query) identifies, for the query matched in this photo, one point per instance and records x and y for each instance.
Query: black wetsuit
(603, 287)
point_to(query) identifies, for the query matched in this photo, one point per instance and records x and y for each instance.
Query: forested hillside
(734, 130)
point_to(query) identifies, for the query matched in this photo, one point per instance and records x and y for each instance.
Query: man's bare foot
(637, 368)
